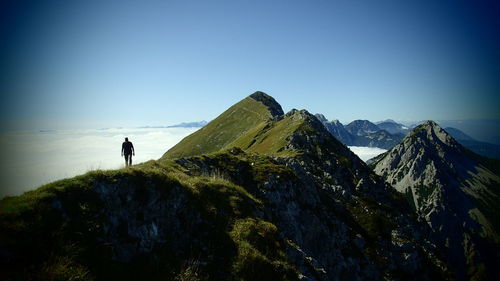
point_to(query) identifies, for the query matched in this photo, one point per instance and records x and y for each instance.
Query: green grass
(372, 217)
(223, 130)
(260, 252)
(247, 125)
(270, 138)
(52, 246)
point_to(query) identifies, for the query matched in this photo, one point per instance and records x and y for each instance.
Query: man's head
(126, 139)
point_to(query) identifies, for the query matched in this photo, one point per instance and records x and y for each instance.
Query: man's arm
(123, 147)
(133, 150)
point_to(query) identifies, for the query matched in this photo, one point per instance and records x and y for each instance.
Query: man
(128, 151)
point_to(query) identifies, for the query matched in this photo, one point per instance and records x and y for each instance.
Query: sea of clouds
(33, 158)
(366, 153)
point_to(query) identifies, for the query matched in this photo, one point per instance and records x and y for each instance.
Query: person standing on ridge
(128, 151)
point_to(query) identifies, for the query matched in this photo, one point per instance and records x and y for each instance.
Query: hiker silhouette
(128, 151)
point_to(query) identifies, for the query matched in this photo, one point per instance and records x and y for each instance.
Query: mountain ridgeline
(387, 134)
(454, 190)
(227, 127)
(256, 194)
(365, 133)
(482, 148)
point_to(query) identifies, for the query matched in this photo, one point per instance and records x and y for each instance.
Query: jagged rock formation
(455, 191)
(361, 133)
(254, 195)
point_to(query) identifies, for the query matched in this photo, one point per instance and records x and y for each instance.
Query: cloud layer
(366, 153)
(31, 159)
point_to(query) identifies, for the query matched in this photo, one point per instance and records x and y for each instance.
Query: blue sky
(93, 64)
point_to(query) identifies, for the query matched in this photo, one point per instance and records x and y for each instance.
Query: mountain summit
(227, 127)
(455, 191)
(361, 127)
(273, 106)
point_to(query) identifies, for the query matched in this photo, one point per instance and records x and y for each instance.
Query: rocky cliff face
(455, 191)
(274, 198)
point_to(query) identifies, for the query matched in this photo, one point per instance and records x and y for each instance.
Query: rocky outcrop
(453, 190)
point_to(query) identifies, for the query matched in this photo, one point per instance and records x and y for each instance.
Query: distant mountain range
(363, 133)
(481, 148)
(198, 124)
(387, 134)
(189, 125)
(393, 127)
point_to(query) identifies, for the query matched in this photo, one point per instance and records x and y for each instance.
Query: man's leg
(130, 160)
(126, 159)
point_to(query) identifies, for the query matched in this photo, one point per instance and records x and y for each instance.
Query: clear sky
(93, 64)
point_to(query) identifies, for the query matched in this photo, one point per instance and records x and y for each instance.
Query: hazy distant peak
(386, 121)
(458, 135)
(198, 124)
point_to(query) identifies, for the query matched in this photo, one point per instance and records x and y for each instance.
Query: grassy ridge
(56, 231)
(223, 130)
(270, 137)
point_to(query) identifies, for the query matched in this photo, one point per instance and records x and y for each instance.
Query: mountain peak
(361, 127)
(249, 113)
(449, 187)
(429, 123)
(386, 121)
(273, 106)
(259, 95)
(431, 131)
